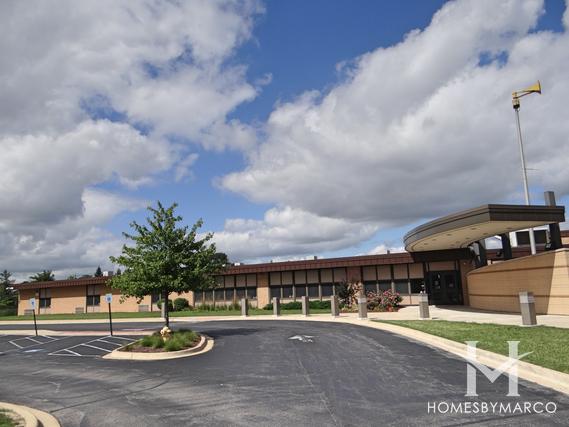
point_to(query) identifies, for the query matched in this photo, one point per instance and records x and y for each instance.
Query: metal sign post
(33, 306)
(109, 299)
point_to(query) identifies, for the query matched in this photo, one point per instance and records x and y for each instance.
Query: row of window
(93, 298)
(224, 295)
(403, 287)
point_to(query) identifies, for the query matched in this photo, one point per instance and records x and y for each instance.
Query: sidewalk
(450, 313)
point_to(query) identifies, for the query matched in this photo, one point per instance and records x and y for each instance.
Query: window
(240, 292)
(300, 277)
(252, 293)
(300, 290)
(275, 292)
(229, 294)
(417, 285)
(327, 290)
(93, 296)
(287, 291)
(45, 298)
(218, 295)
(208, 296)
(313, 291)
(384, 285)
(401, 286)
(370, 286)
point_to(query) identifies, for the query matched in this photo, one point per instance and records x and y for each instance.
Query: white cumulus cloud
(92, 93)
(424, 127)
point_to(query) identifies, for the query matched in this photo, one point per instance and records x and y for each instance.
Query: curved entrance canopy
(463, 228)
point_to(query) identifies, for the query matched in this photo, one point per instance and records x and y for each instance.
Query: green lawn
(550, 346)
(5, 420)
(193, 313)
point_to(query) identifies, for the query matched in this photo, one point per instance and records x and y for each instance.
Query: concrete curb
(205, 345)
(32, 417)
(546, 377)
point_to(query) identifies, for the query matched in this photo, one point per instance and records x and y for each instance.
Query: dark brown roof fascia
(63, 283)
(356, 261)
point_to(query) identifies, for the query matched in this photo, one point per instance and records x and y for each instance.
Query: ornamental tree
(166, 257)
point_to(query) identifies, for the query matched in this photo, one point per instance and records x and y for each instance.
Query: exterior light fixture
(536, 88)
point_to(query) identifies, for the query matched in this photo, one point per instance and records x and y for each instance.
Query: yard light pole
(536, 88)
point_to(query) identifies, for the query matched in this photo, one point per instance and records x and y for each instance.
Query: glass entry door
(445, 288)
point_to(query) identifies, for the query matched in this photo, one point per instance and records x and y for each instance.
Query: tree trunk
(165, 309)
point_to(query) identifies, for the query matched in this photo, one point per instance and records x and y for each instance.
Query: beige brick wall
(263, 291)
(24, 299)
(496, 287)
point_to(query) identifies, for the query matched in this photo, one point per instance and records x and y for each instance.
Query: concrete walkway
(450, 313)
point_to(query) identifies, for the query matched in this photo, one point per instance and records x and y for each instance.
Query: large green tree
(98, 272)
(8, 297)
(166, 257)
(44, 276)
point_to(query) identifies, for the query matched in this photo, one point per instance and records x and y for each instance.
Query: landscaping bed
(548, 344)
(155, 343)
(8, 418)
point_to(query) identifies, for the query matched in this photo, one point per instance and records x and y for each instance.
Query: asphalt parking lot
(73, 346)
(268, 373)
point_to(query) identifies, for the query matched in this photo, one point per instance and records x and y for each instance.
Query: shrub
(181, 304)
(178, 341)
(170, 305)
(297, 305)
(383, 301)
(155, 341)
(320, 304)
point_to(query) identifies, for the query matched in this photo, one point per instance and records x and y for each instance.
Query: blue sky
(300, 43)
(292, 128)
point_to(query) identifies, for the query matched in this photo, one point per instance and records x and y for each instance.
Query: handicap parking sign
(109, 298)
(33, 303)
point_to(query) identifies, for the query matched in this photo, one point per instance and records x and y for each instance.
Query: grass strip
(139, 315)
(5, 419)
(549, 345)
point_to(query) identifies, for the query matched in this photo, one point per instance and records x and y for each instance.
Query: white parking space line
(119, 338)
(109, 342)
(57, 353)
(75, 349)
(17, 345)
(48, 337)
(97, 348)
(36, 341)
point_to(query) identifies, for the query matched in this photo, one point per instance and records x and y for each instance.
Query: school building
(445, 257)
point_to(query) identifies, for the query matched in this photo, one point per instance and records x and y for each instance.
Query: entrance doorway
(445, 288)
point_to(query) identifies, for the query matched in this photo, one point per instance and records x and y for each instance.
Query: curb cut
(206, 344)
(32, 417)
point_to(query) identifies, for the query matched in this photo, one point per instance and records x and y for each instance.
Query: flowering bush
(383, 301)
